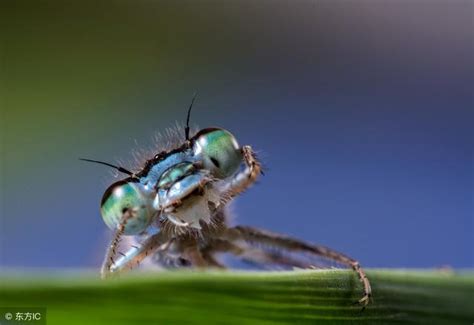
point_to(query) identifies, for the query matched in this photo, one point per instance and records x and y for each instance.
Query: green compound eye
(219, 150)
(126, 199)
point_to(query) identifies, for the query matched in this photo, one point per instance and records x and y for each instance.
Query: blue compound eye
(126, 199)
(219, 151)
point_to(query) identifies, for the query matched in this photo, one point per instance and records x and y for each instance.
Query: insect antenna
(186, 129)
(120, 169)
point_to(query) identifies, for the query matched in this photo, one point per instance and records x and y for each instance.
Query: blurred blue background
(361, 110)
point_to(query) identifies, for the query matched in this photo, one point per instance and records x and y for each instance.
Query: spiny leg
(136, 254)
(133, 256)
(257, 236)
(244, 179)
(109, 259)
(250, 254)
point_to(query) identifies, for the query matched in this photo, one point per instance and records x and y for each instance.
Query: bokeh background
(361, 110)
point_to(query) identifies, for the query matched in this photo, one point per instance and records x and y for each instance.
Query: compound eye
(126, 199)
(219, 151)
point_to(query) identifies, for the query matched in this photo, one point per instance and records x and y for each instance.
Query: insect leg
(257, 236)
(194, 256)
(132, 257)
(250, 254)
(212, 261)
(245, 178)
(109, 259)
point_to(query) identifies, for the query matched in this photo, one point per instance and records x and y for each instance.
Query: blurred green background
(362, 112)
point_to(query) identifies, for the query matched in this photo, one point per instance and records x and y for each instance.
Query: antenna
(120, 169)
(186, 129)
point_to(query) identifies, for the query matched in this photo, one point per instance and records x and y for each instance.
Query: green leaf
(320, 296)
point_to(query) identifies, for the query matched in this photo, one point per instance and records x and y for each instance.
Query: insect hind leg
(256, 236)
(253, 255)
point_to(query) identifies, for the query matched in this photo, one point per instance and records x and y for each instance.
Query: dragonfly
(176, 208)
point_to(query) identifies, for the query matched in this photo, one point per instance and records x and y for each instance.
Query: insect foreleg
(246, 177)
(257, 236)
(109, 259)
(132, 257)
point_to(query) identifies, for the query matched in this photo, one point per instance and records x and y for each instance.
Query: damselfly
(175, 207)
